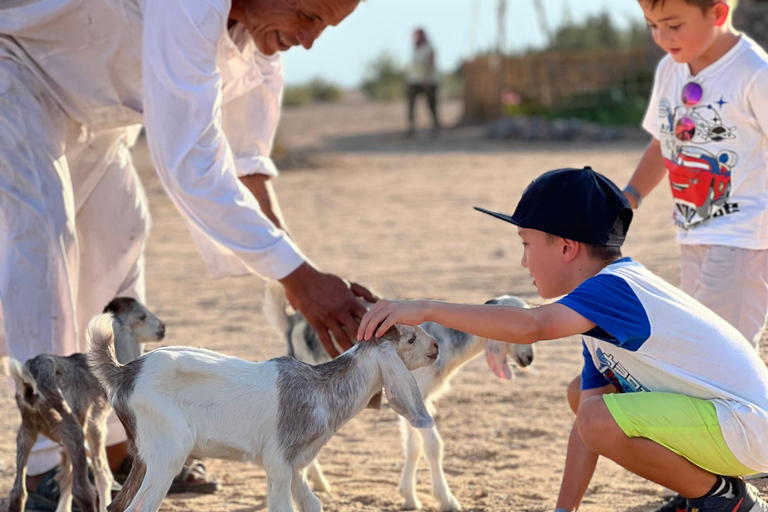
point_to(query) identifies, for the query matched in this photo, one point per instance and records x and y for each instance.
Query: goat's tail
(23, 378)
(275, 303)
(101, 351)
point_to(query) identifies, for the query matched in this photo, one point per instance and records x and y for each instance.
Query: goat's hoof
(449, 503)
(321, 486)
(412, 504)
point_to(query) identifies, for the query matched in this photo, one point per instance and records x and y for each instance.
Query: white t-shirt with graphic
(650, 336)
(718, 160)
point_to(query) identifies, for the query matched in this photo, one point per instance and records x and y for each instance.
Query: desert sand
(396, 215)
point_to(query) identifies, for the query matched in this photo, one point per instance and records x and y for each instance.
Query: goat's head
(132, 314)
(404, 348)
(413, 345)
(37, 382)
(496, 352)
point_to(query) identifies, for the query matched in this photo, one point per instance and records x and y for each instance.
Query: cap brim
(507, 218)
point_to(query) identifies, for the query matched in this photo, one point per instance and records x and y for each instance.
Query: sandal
(193, 478)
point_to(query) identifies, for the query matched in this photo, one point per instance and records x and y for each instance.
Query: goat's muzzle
(434, 352)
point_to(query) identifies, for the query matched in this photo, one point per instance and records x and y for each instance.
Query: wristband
(629, 189)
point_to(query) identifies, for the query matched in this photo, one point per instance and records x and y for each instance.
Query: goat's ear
(496, 356)
(402, 391)
(21, 375)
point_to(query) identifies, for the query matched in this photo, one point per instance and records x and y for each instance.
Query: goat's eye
(143, 317)
(412, 340)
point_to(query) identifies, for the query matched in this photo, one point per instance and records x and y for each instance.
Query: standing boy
(685, 419)
(708, 116)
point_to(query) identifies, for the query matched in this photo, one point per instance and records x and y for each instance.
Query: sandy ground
(397, 216)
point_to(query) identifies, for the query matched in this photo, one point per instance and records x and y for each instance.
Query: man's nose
(308, 35)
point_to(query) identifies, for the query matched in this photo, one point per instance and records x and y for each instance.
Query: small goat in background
(456, 349)
(61, 399)
(180, 401)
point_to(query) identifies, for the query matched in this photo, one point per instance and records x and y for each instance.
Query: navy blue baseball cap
(577, 204)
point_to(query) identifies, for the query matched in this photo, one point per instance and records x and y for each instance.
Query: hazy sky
(456, 28)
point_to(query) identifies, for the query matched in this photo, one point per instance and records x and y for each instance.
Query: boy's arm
(580, 461)
(503, 323)
(650, 171)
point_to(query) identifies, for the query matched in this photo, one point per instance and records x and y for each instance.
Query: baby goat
(456, 349)
(60, 398)
(177, 401)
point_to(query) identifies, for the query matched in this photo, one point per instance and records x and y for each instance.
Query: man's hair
(701, 4)
(604, 253)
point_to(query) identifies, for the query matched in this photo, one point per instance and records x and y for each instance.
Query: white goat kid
(179, 401)
(60, 398)
(456, 349)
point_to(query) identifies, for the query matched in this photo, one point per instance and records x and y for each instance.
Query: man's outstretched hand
(329, 304)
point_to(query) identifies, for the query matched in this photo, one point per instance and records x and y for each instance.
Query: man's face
(277, 25)
(682, 29)
(543, 257)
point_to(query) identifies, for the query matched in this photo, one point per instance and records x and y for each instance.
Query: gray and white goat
(456, 349)
(61, 399)
(180, 401)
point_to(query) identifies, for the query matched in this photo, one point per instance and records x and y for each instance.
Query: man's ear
(721, 10)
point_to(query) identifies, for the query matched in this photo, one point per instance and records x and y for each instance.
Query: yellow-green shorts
(687, 426)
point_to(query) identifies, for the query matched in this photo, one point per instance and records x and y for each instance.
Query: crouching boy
(669, 390)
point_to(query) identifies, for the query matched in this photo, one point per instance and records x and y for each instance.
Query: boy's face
(684, 30)
(543, 257)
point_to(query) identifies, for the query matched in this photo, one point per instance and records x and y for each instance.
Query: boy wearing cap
(708, 115)
(683, 418)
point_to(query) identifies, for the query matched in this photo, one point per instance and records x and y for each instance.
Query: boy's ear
(721, 11)
(570, 249)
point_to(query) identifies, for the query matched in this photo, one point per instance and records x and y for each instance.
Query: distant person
(422, 79)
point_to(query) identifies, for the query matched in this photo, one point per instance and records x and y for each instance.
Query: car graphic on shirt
(700, 180)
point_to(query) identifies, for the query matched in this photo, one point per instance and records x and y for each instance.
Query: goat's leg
(64, 479)
(412, 445)
(71, 435)
(130, 487)
(96, 437)
(160, 470)
(279, 476)
(24, 441)
(303, 495)
(433, 445)
(317, 478)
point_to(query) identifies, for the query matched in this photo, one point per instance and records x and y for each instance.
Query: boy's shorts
(731, 281)
(687, 426)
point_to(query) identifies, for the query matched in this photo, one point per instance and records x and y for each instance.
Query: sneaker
(676, 503)
(747, 499)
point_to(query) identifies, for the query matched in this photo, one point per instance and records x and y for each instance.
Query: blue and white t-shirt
(650, 336)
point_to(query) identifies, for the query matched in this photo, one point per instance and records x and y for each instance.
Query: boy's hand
(384, 314)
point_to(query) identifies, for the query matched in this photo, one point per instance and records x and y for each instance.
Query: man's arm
(261, 187)
(580, 461)
(503, 323)
(650, 171)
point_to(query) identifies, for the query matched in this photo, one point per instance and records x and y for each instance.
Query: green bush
(384, 78)
(317, 90)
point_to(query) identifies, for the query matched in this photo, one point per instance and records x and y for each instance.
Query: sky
(457, 29)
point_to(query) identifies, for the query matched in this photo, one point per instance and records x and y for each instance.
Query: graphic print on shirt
(700, 179)
(616, 374)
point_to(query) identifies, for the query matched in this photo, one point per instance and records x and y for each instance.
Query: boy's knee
(595, 423)
(574, 392)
